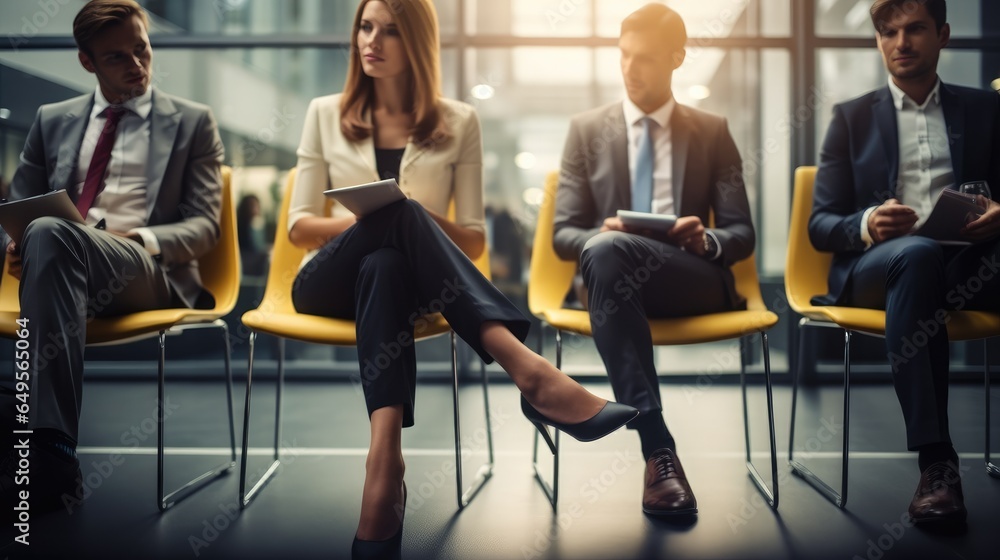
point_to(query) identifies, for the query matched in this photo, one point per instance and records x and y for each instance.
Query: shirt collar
(661, 116)
(899, 96)
(141, 105)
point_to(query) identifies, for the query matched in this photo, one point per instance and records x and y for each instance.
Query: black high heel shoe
(388, 549)
(610, 418)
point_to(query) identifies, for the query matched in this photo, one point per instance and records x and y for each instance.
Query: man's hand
(13, 261)
(890, 220)
(986, 226)
(688, 234)
(614, 223)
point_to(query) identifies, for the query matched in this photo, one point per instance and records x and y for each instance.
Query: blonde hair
(97, 15)
(417, 23)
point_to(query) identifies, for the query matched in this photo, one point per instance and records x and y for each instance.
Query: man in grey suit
(650, 154)
(143, 169)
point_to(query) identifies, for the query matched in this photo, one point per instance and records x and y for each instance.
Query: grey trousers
(72, 274)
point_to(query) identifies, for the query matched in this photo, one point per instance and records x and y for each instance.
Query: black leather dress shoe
(939, 497)
(667, 491)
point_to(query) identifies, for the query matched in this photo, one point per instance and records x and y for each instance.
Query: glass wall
(773, 68)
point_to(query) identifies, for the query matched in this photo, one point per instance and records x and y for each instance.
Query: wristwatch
(710, 246)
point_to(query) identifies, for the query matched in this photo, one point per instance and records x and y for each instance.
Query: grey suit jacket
(184, 185)
(707, 176)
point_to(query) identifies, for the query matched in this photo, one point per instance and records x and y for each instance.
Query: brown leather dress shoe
(667, 491)
(939, 495)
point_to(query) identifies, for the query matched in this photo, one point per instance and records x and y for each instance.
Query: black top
(387, 161)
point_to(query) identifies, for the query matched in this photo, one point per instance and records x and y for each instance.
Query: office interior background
(774, 68)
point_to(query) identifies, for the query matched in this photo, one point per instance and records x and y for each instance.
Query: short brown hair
(883, 11)
(658, 25)
(99, 14)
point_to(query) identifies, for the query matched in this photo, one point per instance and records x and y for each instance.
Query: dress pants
(71, 274)
(630, 279)
(386, 272)
(916, 281)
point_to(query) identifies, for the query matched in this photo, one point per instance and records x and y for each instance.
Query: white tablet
(655, 222)
(367, 198)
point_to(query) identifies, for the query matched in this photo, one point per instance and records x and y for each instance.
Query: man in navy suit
(887, 155)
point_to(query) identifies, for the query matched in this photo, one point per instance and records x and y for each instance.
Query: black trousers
(71, 274)
(917, 281)
(386, 272)
(630, 279)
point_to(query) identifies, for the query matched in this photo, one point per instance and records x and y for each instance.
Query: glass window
(851, 18)
(707, 18)
(529, 18)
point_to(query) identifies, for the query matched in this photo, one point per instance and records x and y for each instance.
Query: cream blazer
(431, 174)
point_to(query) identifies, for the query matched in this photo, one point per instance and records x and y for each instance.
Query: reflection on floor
(310, 510)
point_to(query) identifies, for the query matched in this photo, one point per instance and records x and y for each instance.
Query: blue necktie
(642, 182)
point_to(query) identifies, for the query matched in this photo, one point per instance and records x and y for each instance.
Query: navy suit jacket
(859, 166)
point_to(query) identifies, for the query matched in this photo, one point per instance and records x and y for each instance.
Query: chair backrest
(550, 277)
(286, 258)
(806, 269)
(219, 268)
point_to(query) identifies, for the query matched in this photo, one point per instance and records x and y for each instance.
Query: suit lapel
(884, 113)
(955, 127)
(74, 127)
(162, 134)
(680, 133)
(619, 157)
(366, 149)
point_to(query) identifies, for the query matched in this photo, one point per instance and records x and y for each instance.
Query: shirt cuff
(148, 240)
(866, 236)
(718, 246)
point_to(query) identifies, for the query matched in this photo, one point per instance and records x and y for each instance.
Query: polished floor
(310, 510)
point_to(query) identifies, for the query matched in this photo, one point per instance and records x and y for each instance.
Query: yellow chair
(806, 272)
(276, 315)
(549, 281)
(220, 274)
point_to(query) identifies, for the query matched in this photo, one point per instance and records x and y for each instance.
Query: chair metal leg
(991, 468)
(772, 498)
(485, 471)
(839, 499)
(167, 501)
(551, 491)
(247, 497)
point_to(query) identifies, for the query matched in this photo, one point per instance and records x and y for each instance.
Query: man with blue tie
(887, 155)
(650, 154)
(143, 168)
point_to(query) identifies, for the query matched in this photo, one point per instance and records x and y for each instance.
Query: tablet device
(645, 220)
(952, 210)
(17, 214)
(367, 198)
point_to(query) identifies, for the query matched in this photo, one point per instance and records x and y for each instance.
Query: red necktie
(94, 182)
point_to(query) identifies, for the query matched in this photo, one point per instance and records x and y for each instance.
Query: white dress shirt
(122, 201)
(925, 167)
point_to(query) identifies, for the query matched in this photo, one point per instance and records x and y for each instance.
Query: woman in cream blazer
(388, 269)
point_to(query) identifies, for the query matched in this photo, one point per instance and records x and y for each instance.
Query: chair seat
(681, 330)
(324, 330)
(962, 325)
(127, 327)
